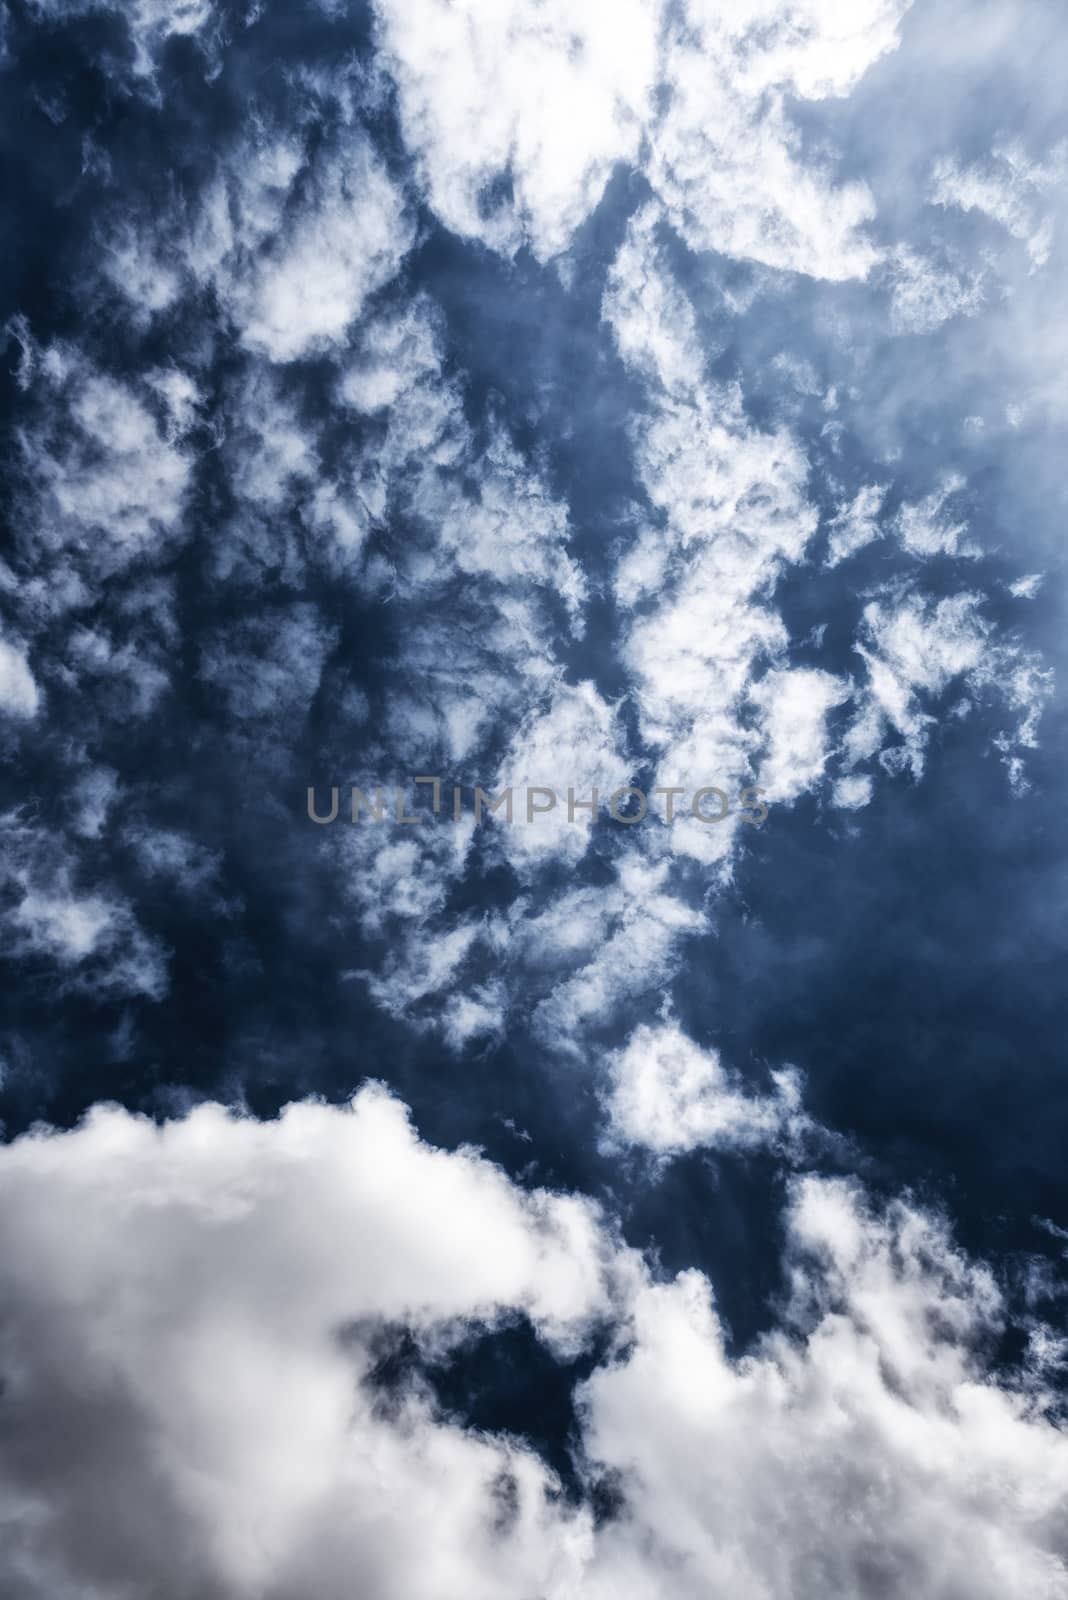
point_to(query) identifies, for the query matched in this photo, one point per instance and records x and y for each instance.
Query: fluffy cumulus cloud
(483, 89)
(695, 95)
(222, 1291)
(667, 1095)
(867, 1453)
(209, 1307)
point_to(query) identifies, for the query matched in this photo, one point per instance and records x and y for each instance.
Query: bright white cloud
(481, 86)
(793, 707)
(197, 1309)
(575, 743)
(347, 238)
(609, 948)
(517, 113)
(872, 1453)
(914, 649)
(293, 244)
(924, 528)
(667, 1096)
(195, 1312)
(734, 510)
(726, 159)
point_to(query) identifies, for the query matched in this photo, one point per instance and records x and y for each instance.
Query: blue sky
(556, 396)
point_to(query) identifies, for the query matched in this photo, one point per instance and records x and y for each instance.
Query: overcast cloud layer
(422, 417)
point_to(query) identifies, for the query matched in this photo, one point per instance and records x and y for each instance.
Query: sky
(419, 417)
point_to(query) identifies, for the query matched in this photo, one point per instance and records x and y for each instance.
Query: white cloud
(104, 476)
(483, 85)
(871, 1454)
(852, 793)
(616, 945)
(855, 524)
(668, 1095)
(95, 793)
(913, 650)
(925, 530)
(653, 322)
(793, 706)
(19, 694)
(726, 159)
(734, 509)
(694, 95)
(576, 742)
(195, 1312)
(90, 937)
(293, 236)
(1008, 188)
(348, 237)
(922, 296)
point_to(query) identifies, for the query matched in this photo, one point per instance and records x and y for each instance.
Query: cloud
(277, 211)
(870, 1452)
(89, 938)
(217, 1294)
(151, 22)
(693, 96)
(105, 473)
(348, 235)
(481, 87)
(19, 694)
(617, 945)
(575, 744)
(196, 1320)
(923, 528)
(855, 524)
(731, 510)
(668, 1096)
(1008, 188)
(267, 668)
(793, 707)
(922, 296)
(915, 648)
(726, 159)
